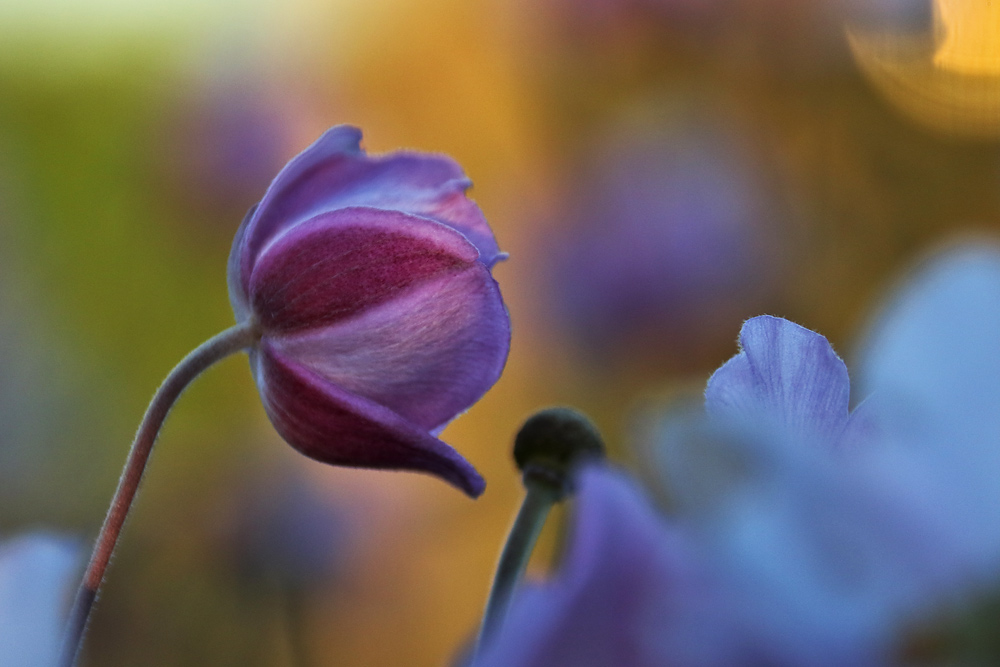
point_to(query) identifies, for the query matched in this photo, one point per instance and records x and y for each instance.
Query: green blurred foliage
(123, 275)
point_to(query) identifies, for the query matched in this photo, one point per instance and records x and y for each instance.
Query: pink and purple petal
(428, 353)
(431, 186)
(339, 264)
(332, 425)
(784, 375)
(335, 173)
(335, 144)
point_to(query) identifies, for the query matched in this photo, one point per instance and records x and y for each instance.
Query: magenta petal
(334, 173)
(427, 354)
(273, 213)
(329, 424)
(338, 264)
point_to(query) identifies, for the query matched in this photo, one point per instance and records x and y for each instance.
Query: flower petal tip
(499, 257)
(332, 425)
(340, 139)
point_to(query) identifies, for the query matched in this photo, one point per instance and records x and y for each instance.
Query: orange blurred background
(659, 170)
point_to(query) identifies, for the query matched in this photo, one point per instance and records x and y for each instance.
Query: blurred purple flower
(36, 579)
(631, 592)
(819, 536)
(369, 279)
(672, 241)
(283, 531)
(222, 143)
(826, 565)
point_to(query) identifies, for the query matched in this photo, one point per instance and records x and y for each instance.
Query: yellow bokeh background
(115, 236)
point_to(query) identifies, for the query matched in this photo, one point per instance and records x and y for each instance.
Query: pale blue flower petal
(933, 360)
(786, 376)
(36, 578)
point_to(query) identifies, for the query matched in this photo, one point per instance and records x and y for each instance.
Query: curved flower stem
(538, 500)
(228, 342)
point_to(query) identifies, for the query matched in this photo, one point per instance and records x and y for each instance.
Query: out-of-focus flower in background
(36, 581)
(111, 259)
(672, 234)
(369, 280)
(866, 524)
(825, 537)
(223, 139)
(288, 547)
(281, 531)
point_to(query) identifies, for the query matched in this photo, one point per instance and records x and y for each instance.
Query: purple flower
(36, 576)
(859, 523)
(673, 240)
(369, 279)
(928, 432)
(222, 143)
(631, 592)
(280, 528)
(808, 533)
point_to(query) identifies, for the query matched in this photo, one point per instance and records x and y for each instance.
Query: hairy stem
(214, 349)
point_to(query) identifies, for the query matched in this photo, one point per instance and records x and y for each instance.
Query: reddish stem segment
(224, 344)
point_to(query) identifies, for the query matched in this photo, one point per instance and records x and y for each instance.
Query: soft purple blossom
(673, 238)
(224, 141)
(369, 278)
(282, 529)
(816, 535)
(36, 579)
